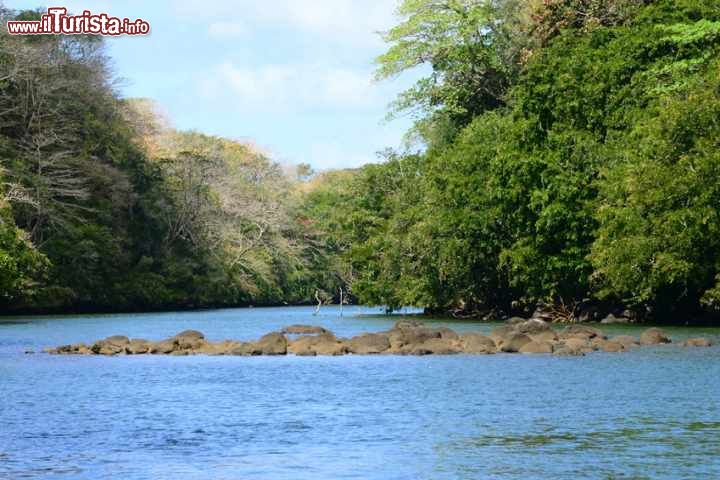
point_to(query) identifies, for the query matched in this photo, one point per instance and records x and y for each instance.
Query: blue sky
(293, 76)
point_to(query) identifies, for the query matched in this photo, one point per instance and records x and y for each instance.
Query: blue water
(652, 413)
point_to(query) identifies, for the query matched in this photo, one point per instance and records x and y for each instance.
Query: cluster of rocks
(518, 335)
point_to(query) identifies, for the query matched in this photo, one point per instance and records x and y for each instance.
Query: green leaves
(596, 179)
(659, 221)
(456, 39)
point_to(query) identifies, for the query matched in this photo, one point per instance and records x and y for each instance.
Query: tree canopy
(567, 154)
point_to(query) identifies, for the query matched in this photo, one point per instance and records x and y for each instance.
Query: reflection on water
(651, 413)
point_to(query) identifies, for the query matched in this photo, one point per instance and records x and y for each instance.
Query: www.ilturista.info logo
(57, 22)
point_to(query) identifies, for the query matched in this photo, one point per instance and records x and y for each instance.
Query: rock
(576, 343)
(514, 342)
(188, 340)
(612, 346)
(368, 344)
(213, 349)
(324, 344)
(514, 321)
(245, 349)
(654, 336)
(573, 346)
(567, 352)
(61, 350)
(223, 348)
(117, 340)
(436, 346)
(164, 347)
(626, 340)
(112, 347)
(406, 337)
(596, 343)
(190, 334)
(272, 344)
(447, 333)
(476, 343)
(532, 326)
(499, 334)
(137, 346)
(581, 331)
(546, 336)
(410, 333)
(189, 343)
(331, 348)
(536, 347)
(612, 319)
(696, 342)
(303, 330)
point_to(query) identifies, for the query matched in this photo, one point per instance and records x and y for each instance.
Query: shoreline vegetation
(518, 335)
(563, 164)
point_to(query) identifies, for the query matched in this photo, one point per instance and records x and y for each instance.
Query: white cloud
(227, 29)
(325, 156)
(351, 21)
(291, 87)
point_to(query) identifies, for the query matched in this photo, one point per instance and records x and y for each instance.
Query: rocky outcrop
(323, 344)
(188, 340)
(410, 333)
(581, 331)
(272, 344)
(577, 345)
(654, 336)
(533, 326)
(164, 347)
(477, 344)
(537, 346)
(697, 342)
(550, 336)
(612, 346)
(74, 349)
(436, 346)
(189, 335)
(303, 330)
(626, 340)
(533, 336)
(137, 346)
(368, 344)
(114, 345)
(500, 334)
(512, 321)
(513, 342)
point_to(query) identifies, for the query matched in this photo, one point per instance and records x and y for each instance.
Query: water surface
(652, 413)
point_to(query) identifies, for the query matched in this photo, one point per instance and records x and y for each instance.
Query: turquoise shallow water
(652, 413)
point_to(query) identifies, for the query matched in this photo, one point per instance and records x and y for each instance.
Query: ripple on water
(651, 413)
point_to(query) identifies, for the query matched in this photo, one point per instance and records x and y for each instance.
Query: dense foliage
(580, 163)
(104, 207)
(565, 153)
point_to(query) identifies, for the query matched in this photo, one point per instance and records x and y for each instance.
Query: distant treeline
(571, 155)
(104, 207)
(565, 152)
